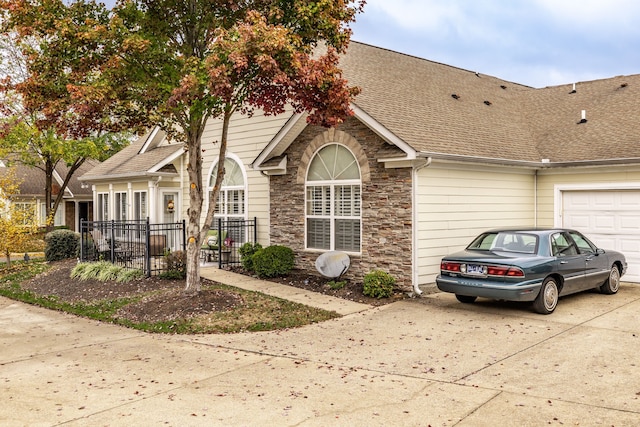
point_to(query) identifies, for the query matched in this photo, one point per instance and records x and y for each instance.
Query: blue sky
(533, 42)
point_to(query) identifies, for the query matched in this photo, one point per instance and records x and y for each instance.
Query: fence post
(147, 246)
(255, 230)
(83, 239)
(220, 243)
(112, 246)
(184, 236)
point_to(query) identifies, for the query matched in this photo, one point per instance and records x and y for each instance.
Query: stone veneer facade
(386, 203)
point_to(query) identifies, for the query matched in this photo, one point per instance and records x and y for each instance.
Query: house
(433, 156)
(77, 201)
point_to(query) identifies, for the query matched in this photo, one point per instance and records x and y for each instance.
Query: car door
(596, 264)
(569, 262)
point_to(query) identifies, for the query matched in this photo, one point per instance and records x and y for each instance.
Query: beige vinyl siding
(247, 138)
(457, 202)
(610, 176)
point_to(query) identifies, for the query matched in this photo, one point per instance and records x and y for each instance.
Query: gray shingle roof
(32, 179)
(412, 98)
(129, 162)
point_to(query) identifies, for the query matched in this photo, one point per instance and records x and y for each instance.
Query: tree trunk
(194, 235)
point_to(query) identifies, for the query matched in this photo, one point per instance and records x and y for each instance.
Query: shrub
(246, 252)
(176, 264)
(378, 284)
(104, 271)
(335, 285)
(273, 261)
(109, 273)
(61, 244)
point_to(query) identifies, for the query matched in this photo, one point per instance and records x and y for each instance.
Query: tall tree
(39, 126)
(177, 64)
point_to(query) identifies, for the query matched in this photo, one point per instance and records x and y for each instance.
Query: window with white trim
(140, 208)
(333, 200)
(231, 200)
(103, 207)
(25, 213)
(121, 206)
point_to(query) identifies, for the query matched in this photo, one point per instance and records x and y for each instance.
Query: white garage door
(611, 219)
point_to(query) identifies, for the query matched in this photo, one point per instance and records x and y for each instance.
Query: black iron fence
(225, 238)
(147, 247)
(132, 244)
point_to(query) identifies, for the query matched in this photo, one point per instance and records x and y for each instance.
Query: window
(140, 209)
(103, 207)
(561, 245)
(231, 200)
(57, 218)
(333, 200)
(121, 206)
(25, 212)
(585, 246)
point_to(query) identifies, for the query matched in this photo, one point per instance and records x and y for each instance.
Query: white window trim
(244, 187)
(99, 212)
(118, 210)
(332, 217)
(137, 195)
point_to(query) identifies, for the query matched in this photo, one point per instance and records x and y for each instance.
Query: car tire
(547, 299)
(612, 284)
(466, 299)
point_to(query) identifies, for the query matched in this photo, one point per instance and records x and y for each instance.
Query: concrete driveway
(428, 361)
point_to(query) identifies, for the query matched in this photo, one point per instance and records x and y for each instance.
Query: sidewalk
(290, 293)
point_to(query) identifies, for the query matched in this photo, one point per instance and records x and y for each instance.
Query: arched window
(333, 200)
(231, 201)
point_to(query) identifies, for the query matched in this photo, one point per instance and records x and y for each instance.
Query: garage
(611, 218)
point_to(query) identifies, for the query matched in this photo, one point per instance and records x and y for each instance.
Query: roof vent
(584, 117)
(574, 89)
(503, 86)
(487, 102)
(623, 85)
(455, 96)
(477, 74)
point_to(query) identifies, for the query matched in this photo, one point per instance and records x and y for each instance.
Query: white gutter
(414, 221)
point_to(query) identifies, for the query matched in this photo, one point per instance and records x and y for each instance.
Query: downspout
(535, 199)
(414, 220)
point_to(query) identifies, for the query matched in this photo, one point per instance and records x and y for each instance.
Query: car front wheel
(465, 298)
(547, 299)
(612, 284)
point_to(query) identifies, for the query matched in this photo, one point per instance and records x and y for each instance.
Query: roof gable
(147, 156)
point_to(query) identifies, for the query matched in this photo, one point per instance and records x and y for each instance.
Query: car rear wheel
(612, 284)
(547, 299)
(465, 298)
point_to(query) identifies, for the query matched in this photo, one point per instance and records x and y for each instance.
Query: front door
(170, 213)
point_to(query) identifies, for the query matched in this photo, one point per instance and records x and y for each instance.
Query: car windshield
(507, 241)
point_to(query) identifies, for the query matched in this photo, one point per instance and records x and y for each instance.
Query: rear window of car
(506, 242)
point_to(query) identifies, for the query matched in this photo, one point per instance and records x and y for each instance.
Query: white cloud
(615, 15)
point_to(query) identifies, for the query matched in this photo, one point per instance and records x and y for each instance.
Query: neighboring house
(433, 156)
(77, 201)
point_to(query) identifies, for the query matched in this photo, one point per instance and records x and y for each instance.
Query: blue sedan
(530, 265)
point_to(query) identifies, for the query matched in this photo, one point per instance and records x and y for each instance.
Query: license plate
(475, 269)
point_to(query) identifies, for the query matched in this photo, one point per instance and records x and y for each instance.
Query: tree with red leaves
(177, 64)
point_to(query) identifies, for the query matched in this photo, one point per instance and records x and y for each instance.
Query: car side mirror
(599, 251)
